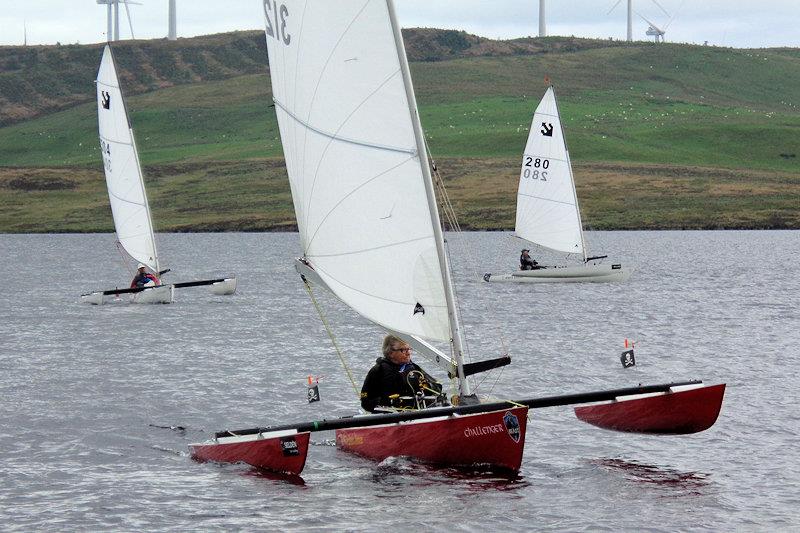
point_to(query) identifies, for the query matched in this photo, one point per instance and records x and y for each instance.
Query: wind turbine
(114, 4)
(542, 28)
(630, 15)
(654, 30)
(173, 22)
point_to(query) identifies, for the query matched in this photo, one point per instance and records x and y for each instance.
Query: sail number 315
(535, 168)
(272, 14)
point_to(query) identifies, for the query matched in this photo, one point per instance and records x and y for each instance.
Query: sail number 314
(275, 17)
(535, 168)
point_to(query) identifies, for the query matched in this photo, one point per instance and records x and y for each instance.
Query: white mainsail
(123, 173)
(353, 161)
(547, 206)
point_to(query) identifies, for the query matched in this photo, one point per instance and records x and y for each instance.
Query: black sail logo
(105, 100)
(418, 309)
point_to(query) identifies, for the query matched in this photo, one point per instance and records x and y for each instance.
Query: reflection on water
(291, 479)
(635, 471)
(404, 472)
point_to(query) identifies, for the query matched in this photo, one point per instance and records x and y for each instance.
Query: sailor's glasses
(406, 350)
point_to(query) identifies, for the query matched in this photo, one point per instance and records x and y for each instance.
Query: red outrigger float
(686, 409)
(489, 436)
(279, 451)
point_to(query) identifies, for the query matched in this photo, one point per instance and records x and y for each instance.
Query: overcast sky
(737, 23)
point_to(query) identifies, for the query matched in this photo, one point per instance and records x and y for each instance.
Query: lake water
(100, 403)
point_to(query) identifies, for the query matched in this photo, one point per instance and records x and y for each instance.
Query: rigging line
(447, 208)
(496, 381)
(450, 211)
(460, 314)
(331, 335)
(336, 137)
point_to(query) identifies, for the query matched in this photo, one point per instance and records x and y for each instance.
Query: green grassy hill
(662, 136)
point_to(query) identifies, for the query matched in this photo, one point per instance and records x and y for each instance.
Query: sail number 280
(535, 168)
(273, 12)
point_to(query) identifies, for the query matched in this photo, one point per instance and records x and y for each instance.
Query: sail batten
(353, 163)
(547, 206)
(124, 178)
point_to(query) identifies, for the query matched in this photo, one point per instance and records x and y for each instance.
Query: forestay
(547, 207)
(123, 173)
(352, 160)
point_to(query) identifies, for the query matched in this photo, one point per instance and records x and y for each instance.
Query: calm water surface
(99, 403)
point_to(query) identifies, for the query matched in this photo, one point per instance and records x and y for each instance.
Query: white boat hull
(592, 273)
(161, 294)
(225, 287)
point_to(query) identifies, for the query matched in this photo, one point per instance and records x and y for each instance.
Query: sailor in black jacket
(395, 381)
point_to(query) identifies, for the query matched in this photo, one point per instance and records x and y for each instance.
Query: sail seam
(336, 137)
(125, 200)
(545, 199)
(106, 84)
(542, 156)
(110, 140)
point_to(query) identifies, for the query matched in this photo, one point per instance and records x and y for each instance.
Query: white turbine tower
(173, 22)
(630, 15)
(542, 28)
(112, 17)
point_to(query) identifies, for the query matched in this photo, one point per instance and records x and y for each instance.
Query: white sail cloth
(355, 173)
(123, 174)
(547, 207)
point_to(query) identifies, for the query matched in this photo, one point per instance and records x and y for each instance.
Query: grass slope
(666, 136)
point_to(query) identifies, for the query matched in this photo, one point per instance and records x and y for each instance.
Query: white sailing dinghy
(370, 233)
(547, 205)
(127, 195)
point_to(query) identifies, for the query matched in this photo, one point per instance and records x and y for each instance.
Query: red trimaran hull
(489, 436)
(673, 413)
(493, 440)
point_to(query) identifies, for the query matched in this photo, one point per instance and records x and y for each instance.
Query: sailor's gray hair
(388, 342)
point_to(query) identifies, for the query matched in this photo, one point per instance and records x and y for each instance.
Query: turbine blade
(613, 7)
(130, 22)
(647, 21)
(674, 15)
(661, 7)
